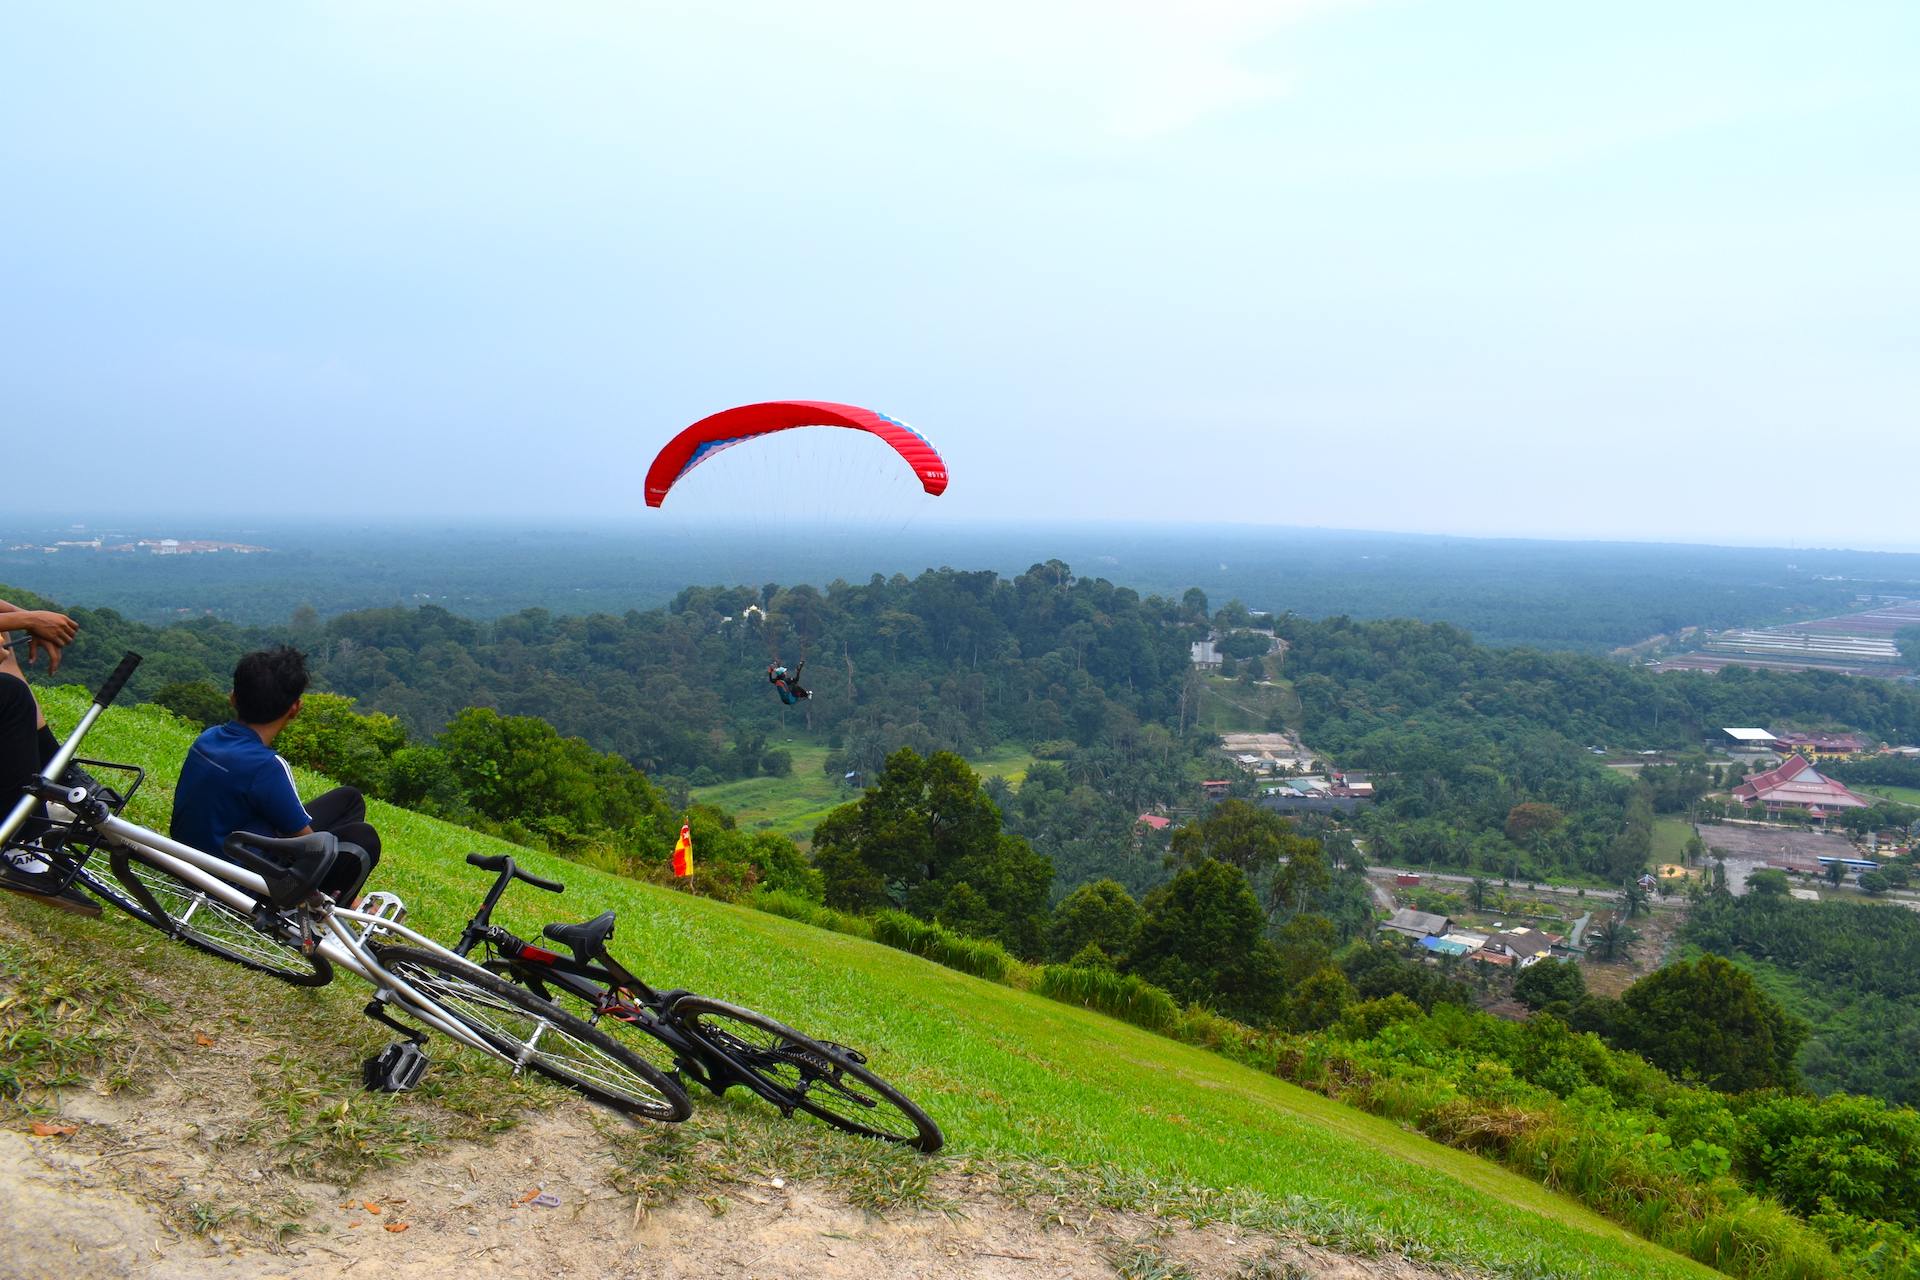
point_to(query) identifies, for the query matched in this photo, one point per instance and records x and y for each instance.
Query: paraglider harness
(788, 682)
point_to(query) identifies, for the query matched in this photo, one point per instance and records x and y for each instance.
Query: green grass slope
(1015, 1080)
(794, 805)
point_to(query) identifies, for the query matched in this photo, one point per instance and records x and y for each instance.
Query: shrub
(195, 701)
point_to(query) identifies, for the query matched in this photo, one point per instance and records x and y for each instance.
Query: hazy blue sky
(1628, 269)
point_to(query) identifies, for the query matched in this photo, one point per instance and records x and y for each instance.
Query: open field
(1859, 644)
(1670, 836)
(794, 805)
(1228, 706)
(1020, 1084)
(1758, 842)
(1905, 795)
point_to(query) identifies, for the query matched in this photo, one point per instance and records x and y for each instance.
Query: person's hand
(51, 632)
(56, 629)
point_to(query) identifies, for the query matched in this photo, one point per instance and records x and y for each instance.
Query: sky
(1623, 270)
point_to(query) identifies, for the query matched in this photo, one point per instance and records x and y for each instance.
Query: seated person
(26, 743)
(233, 780)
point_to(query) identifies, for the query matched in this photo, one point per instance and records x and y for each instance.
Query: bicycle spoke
(513, 1023)
(206, 920)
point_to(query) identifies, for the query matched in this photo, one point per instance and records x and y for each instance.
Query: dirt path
(471, 1211)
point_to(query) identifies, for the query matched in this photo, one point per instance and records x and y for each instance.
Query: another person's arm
(51, 632)
(275, 800)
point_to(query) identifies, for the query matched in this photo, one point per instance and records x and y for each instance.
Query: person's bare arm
(51, 632)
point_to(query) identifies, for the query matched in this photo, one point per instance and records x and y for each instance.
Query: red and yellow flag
(683, 853)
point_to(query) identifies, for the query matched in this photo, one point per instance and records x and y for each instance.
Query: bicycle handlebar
(48, 785)
(118, 680)
(501, 862)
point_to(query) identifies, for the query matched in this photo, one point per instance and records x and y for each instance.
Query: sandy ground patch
(482, 1212)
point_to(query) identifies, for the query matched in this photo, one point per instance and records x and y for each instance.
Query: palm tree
(1611, 938)
(1477, 893)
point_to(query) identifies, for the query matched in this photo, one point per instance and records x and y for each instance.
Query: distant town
(115, 544)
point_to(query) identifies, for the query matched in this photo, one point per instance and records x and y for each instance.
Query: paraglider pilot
(787, 683)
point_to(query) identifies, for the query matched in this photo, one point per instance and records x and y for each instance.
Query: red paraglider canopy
(733, 426)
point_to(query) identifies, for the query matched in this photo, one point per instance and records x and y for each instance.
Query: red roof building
(1823, 744)
(1797, 787)
(1154, 821)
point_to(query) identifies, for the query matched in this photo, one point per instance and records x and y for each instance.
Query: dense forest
(1850, 969)
(1557, 595)
(1482, 754)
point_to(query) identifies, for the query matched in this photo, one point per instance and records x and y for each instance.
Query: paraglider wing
(729, 427)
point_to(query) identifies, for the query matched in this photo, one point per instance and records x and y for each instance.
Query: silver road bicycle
(257, 904)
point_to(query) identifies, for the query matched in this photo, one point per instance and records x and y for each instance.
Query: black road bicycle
(713, 1043)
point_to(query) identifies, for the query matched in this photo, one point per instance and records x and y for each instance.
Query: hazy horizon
(157, 523)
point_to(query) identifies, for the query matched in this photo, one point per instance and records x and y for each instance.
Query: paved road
(1579, 931)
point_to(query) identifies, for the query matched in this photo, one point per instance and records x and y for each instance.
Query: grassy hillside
(794, 805)
(1017, 1082)
(1228, 706)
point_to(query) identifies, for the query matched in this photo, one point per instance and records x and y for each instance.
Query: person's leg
(42, 736)
(22, 732)
(20, 726)
(343, 812)
(335, 808)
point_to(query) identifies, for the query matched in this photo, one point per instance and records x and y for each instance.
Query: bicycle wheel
(206, 923)
(827, 1080)
(530, 1032)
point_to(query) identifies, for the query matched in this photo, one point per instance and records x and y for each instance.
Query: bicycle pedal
(396, 1068)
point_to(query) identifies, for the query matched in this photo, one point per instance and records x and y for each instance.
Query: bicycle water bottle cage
(587, 939)
(396, 1068)
(292, 867)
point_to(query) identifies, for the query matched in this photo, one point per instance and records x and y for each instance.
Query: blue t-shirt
(231, 782)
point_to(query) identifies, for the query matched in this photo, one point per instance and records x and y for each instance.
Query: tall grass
(1117, 995)
(919, 937)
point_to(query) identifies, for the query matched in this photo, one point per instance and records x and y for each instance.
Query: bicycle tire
(599, 1066)
(206, 924)
(824, 1080)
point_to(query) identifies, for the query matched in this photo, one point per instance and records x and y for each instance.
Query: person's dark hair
(268, 682)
